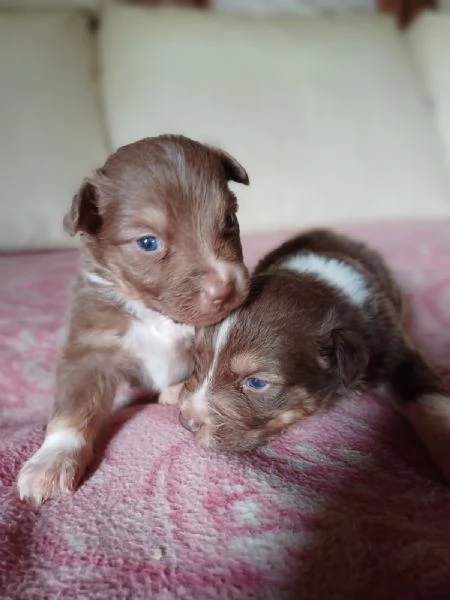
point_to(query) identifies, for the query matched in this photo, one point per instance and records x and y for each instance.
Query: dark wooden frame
(405, 10)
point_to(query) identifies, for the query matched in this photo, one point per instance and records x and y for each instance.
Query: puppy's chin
(207, 319)
(194, 315)
(238, 438)
(204, 438)
(230, 440)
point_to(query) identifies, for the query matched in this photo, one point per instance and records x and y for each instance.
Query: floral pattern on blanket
(345, 506)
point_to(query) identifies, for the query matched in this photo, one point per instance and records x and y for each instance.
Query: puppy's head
(160, 225)
(276, 360)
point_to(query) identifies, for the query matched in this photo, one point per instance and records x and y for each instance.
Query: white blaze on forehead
(199, 399)
(332, 271)
(221, 337)
(198, 402)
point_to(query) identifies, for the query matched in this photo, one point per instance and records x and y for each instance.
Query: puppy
(323, 321)
(161, 254)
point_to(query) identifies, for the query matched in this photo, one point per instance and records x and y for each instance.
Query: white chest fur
(162, 348)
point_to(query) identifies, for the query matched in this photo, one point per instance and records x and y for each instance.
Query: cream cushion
(326, 114)
(51, 4)
(430, 44)
(50, 125)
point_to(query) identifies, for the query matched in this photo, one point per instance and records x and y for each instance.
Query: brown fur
(133, 312)
(314, 346)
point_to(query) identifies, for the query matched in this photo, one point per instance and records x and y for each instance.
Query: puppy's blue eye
(255, 384)
(149, 243)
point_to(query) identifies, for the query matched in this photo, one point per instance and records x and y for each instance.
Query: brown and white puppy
(323, 321)
(161, 254)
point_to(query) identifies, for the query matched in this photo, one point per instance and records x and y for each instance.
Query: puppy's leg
(421, 396)
(85, 390)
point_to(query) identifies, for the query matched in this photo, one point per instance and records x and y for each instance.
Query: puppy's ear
(84, 216)
(343, 350)
(349, 355)
(233, 169)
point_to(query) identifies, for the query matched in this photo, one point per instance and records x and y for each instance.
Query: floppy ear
(84, 216)
(233, 169)
(343, 349)
(349, 354)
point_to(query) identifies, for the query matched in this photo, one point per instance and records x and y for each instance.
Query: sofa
(337, 118)
(341, 120)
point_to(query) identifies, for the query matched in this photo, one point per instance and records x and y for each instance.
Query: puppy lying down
(323, 321)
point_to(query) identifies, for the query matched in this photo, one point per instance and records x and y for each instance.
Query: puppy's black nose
(189, 423)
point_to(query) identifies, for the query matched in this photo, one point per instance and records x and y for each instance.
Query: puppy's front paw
(54, 469)
(171, 395)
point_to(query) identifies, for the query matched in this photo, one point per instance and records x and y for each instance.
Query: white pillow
(430, 43)
(325, 113)
(50, 127)
(51, 4)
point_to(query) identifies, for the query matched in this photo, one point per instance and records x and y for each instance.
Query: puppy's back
(331, 245)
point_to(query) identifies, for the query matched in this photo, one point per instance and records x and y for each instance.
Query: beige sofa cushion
(326, 113)
(50, 125)
(51, 4)
(430, 44)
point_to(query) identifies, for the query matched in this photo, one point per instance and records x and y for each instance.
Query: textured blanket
(345, 506)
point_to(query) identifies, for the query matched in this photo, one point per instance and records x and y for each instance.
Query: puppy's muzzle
(190, 423)
(217, 291)
(223, 289)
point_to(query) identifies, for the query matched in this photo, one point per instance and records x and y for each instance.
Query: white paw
(171, 395)
(54, 469)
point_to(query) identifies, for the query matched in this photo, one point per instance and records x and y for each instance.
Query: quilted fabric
(346, 506)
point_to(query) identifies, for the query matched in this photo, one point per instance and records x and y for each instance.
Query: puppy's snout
(190, 423)
(221, 290)
(217, 290)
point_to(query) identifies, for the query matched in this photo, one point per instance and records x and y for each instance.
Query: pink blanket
(346, 506)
